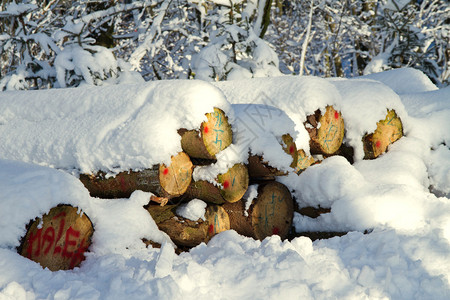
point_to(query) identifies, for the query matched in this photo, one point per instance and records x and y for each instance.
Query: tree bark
(260, 169)
(326, 131)
(171, 181)
(388, 131)
(185, 232)
(59, 239)
(215, 135)
(233, 185)
(270, 213)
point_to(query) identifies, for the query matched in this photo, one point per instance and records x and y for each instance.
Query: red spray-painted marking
(45, 240)
(336, 115)
(123, 185)
(378, 144)
(205, 130)
(226, 184)
(275, 230)
(166, 171)
(211, 229)
(291, 149)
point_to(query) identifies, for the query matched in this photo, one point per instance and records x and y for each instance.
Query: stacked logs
(174, 184)
(60, 238)
(327, 140)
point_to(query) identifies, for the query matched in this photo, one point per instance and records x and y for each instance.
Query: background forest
(49, 44)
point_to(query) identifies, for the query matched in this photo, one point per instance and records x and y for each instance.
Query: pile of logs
(59, 239)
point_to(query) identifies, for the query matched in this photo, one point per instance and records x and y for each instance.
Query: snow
(111, 128)
(396, 207)
(296, 96)
(193, 210)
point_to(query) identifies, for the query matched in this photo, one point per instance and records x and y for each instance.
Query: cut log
(171, 181)
(185, 232)
(215, 135)
(388, 131)
(326, 131)
(59, 240)
(260, 169)
(271, 212)
(234, 184)
(303, 161)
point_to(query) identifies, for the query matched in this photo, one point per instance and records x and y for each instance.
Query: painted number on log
(217, 128)
(267, 215)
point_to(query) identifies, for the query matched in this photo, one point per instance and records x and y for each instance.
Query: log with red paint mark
(260, 169)
(232, 186)
(326, 131)
(187, 233)
(388, 131)
(58, 240)
(214, 136)
(164, 181)
(271, 212)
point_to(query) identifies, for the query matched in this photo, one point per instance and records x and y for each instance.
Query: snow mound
(404, 80)
(112, 128)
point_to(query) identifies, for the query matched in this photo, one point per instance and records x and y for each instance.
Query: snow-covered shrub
(235, 49)
(81, 60)
(25, 46)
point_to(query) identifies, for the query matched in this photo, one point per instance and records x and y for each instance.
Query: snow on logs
(59, 239)
(107, 128)
(268, 135)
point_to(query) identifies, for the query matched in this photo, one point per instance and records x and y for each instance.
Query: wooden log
(303, 161)
(185, 232)
(233, 185)
(271, 212)
(260, 169)
(388, 131)
(164, 181)
(215, 135)
(327, 137)
(59, 240)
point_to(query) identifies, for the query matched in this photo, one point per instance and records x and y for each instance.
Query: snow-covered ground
(398, 246)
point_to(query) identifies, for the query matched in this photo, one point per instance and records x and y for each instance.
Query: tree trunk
(59, 240)
(260, 169)
(161, 180)
(234, 184)
(303, 161)
(326, 131)
(214, 136)
(271, 212)
(185, 232)
(388, 131)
